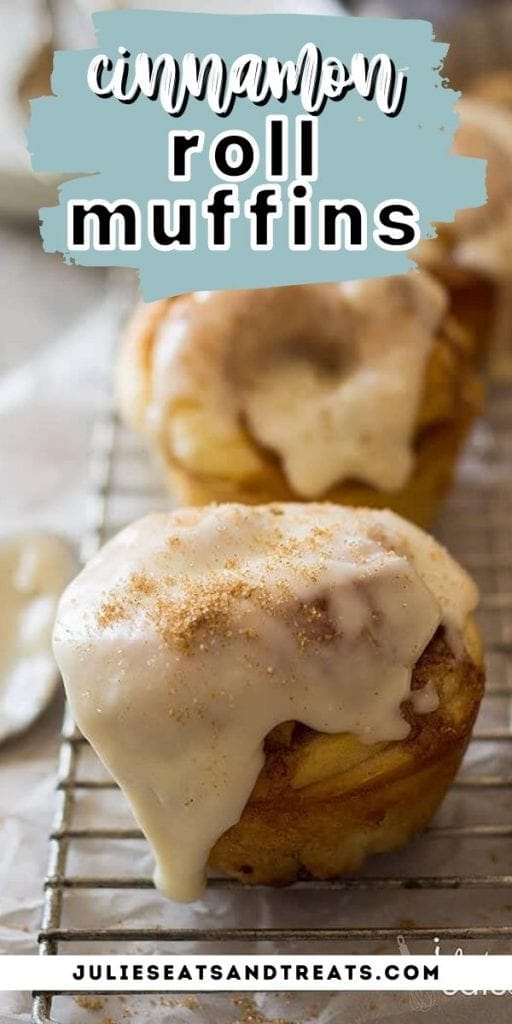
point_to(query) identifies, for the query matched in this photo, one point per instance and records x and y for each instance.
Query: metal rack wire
(466, 849)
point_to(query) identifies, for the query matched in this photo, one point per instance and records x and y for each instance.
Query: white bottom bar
(449, 974)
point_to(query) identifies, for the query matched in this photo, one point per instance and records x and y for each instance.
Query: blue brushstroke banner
(245, 151)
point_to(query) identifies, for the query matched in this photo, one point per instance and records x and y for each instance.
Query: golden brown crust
(473, 302)
(451, 399)
(323, 803)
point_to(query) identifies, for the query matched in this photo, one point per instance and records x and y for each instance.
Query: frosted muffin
(357, 393)
(280, 691)
(473, 255)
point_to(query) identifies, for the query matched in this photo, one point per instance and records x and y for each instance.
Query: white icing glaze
(191, 635)
(328, 377)
(34, 569)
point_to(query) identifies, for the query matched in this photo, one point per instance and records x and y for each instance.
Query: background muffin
(358, 393)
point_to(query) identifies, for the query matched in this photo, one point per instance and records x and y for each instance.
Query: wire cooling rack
(450, 886)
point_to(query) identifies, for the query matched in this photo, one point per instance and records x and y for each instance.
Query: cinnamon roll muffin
(472, 256)
(359, 393)
(280, 690)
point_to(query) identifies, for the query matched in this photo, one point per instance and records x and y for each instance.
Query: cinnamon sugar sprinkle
(210, 605)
